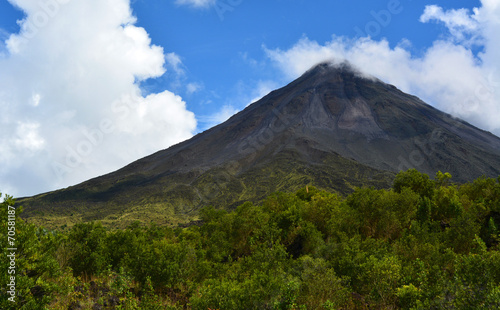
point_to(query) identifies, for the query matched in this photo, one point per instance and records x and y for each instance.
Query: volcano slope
(333, 128)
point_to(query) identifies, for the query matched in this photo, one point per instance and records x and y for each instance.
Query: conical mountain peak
(333, 127)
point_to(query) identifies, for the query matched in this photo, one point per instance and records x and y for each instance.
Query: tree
(414, 180)
(89, 244)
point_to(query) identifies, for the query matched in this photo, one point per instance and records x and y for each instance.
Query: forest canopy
(423, 244)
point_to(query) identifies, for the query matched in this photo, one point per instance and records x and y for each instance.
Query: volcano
(334, 128)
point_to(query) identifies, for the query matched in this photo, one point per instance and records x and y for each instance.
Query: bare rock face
(333, 127)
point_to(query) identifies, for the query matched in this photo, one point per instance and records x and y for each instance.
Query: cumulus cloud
(71, 103)
(196, 3)
(449, 75)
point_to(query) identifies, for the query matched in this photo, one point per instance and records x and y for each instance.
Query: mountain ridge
(333, 127)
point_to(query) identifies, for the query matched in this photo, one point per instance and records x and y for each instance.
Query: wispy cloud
(218, 117)
(193, 87)
(262, 89)
(175, 62)
(463, 25)
(196, 3)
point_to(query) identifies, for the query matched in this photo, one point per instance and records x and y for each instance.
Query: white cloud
(448, 75)
(36, 99)
(192, 88)
(196, 3)
(462, 25)
(28, 137)
(71, 104)
(460, 18)
(175, 62)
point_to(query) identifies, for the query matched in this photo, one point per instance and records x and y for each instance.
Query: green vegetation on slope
(424, 244)
(178, 198)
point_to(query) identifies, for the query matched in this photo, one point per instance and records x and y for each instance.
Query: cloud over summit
(448, 75)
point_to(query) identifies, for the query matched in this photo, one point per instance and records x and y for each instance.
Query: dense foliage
(424, 244)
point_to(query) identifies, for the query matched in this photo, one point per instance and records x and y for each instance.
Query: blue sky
(218, 44)
(218, 47)
(86, 87)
